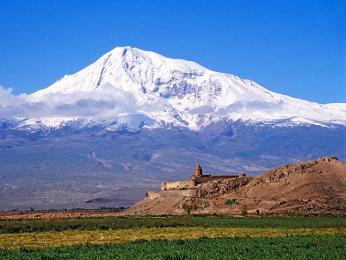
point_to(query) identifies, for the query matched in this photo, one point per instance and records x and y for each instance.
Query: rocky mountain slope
(314, 187)
(135, 88)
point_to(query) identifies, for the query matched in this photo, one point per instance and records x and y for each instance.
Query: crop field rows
(174, 238)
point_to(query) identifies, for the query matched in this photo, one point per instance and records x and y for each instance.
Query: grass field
(73, 237)
(39, 225)
(297, 247)
(174, 238)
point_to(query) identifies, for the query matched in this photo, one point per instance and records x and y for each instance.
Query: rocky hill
(314, 187)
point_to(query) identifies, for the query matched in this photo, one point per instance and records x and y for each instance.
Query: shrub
(231, 202)
(187, 206)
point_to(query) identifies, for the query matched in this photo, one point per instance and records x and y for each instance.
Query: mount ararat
(134, 118)
(137, 88)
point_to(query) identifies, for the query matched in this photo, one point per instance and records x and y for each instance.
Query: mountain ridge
(145, 89)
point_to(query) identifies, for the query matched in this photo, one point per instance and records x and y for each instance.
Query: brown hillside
(315, 187)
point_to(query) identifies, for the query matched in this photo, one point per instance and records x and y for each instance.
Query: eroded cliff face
(315, 187)
(217, 188)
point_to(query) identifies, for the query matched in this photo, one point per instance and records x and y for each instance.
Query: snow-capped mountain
(129, 86)
(127, 122)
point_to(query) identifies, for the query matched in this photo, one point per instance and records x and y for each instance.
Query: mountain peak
(128, 80)
(126, 66)
(128, 53)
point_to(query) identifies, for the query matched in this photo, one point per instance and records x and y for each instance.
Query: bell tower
(198, 171)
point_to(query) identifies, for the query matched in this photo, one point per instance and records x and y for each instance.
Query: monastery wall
(178, 185)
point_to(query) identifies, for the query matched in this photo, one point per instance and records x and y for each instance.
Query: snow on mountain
(129, 86)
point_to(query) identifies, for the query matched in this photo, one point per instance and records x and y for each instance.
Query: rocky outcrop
(315, 187)
(216, 188)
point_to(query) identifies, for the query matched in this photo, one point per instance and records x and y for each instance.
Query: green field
(297, 247)
(175, 238)
(39, 225)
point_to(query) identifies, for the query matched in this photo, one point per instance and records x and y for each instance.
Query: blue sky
(292, 47)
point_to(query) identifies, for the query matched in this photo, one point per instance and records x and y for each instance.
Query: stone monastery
(196, 179)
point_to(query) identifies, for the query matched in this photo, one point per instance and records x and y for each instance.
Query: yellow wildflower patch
(76, 237)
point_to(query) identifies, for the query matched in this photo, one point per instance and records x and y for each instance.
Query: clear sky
(295, 47)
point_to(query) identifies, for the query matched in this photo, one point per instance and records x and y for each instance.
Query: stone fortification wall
(219, 187)
(191, 184)
(178, 185)
(212, 178)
